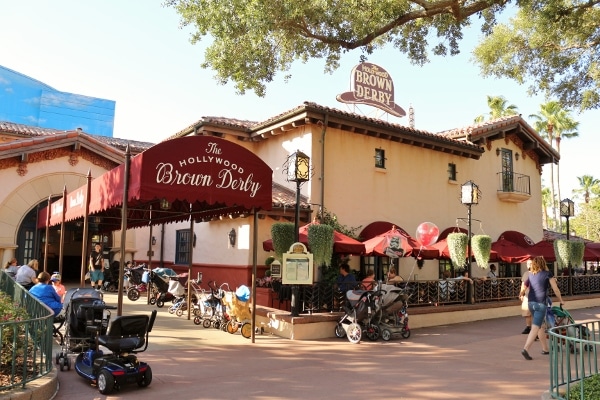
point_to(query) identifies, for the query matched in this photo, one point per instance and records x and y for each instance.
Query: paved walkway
(463, 361)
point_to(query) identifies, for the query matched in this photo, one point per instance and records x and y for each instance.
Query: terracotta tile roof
(286, 198)
(551, 236)
(313, 113)
(21, 131)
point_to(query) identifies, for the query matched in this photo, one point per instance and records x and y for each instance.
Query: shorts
(96, 275)
(538, 311)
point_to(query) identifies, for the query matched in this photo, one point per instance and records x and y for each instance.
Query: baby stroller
(215, 301)
(173, 292)
(127, 336)
(360, 308)
(111, 278)
(392, 317)
(79, 320)
(239, 311)
(139, 281)
(557, 316)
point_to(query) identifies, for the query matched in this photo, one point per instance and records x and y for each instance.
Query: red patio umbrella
(395, 243)
(545, 249)
(442, 247)
(342, 244)
(510, 252)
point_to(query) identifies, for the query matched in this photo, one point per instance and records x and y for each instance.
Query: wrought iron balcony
(513, 187)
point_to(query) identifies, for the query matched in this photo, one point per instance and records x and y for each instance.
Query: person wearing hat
(45, 293)
(58, 286)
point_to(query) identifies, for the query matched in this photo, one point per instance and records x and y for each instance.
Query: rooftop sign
(372, 85)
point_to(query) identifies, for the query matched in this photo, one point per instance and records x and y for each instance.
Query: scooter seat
(121, 345)
(126, 333)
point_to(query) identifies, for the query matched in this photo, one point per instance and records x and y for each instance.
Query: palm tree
(588, 184)
(498, 109)
(546, 202)
(554, 123)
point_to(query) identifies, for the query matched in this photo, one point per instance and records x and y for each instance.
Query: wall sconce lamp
(164, 204)
(497, 151)
(153, 241)
(517, 156)
(232, 236)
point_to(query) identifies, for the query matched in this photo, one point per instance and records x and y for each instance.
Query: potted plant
(457, 247)
(284, 235)
(320, 242)
(481, 247)
(577, 251)
(562, 252)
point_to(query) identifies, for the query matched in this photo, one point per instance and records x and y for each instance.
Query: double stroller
(359, 310)
(381, 312)
(392, 316)
(80, 318)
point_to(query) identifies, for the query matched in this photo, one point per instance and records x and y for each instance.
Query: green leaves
(481, 247)
(457, 247)
(284, 235)
(320, 242)
(252, 41)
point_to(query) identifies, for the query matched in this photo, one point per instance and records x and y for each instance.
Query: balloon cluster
(427, 233)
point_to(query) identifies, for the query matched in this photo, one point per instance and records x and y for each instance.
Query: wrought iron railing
(26, 345)
(324, 297)
(513, 182)
(574, 360)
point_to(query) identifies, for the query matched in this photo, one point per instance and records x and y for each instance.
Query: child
(58, 286)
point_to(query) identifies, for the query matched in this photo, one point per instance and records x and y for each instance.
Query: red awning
(342, 244)
(202, 176)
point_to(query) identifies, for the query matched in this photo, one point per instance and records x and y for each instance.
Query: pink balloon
(427, 233)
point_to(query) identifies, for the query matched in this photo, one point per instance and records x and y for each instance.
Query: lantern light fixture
(232, 236)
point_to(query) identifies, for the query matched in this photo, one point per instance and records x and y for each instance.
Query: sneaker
(526, 330)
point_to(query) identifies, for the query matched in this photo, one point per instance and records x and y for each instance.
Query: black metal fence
(324, 297)
(26, 345)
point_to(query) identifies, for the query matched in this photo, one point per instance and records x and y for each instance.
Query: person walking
(538, 282)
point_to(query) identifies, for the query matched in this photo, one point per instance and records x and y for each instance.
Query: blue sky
(133, 52)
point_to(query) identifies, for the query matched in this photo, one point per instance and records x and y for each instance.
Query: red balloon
(427, 233)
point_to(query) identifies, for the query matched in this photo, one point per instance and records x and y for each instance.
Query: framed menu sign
(297, 266)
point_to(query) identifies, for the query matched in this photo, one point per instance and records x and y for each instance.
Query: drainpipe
(323, 132)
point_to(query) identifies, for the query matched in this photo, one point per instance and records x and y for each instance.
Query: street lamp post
(299, 172)
(567, 210)
(470, 195)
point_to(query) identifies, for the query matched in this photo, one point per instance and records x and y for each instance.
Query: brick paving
(464, 361)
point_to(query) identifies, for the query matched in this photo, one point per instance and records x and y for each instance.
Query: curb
(43, 388)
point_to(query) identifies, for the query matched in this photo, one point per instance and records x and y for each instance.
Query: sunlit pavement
(476, 360)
